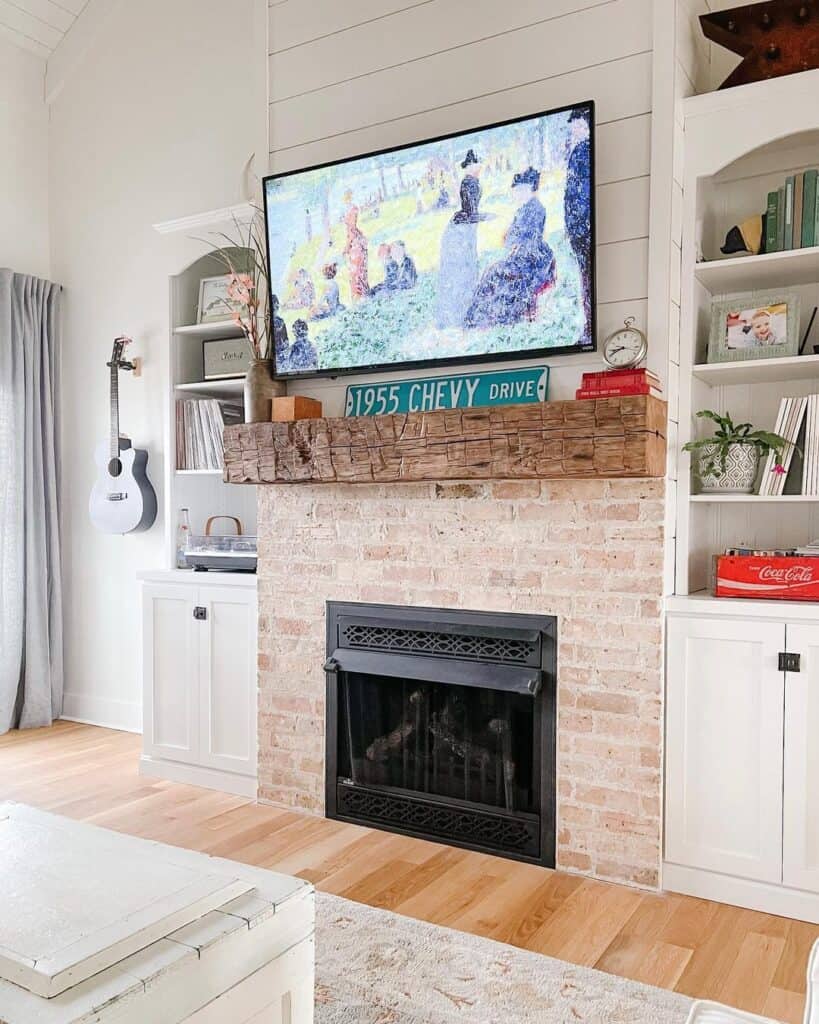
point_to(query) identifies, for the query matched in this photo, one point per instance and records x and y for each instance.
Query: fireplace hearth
(441, 724)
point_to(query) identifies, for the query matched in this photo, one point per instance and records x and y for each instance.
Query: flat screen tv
(471, 247)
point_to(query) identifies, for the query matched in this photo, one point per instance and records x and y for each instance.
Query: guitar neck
(114, 409)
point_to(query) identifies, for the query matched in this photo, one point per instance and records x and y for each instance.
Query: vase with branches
(728, 460)
(249, 302)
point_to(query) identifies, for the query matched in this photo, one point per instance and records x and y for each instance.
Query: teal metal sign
(461, 391)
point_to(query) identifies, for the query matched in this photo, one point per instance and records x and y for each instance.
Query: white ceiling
(39, 25)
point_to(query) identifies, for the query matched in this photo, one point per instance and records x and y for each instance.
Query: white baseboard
(195, 775)
(741, 892)
(110, 714)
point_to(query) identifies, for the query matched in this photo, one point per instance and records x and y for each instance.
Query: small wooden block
(295, 407)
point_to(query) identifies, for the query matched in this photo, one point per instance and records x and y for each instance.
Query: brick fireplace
(589, 552)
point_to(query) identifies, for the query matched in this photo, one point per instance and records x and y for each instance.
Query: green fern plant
(728, 433)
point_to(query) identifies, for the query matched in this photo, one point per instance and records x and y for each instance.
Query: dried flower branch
(249, 284)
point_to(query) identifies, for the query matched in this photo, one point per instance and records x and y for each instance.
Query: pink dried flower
(778, 468)
(239, 288)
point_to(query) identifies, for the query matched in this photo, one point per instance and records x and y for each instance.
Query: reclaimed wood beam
(607, 437)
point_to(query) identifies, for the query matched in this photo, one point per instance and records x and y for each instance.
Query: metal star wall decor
(779, 37)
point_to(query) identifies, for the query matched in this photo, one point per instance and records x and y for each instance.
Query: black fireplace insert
(441, 724)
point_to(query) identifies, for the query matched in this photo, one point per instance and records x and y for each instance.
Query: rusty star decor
(779, 37)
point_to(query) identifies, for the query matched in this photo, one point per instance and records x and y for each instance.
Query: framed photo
(214, 304)
(754, 325)
(224, 358)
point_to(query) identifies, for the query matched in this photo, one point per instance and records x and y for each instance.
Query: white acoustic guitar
(122, 500)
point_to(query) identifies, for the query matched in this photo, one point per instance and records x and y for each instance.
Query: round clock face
(626, 347)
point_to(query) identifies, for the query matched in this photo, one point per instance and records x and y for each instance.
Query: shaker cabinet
(199, 683)
(742, 762)
(800, 837)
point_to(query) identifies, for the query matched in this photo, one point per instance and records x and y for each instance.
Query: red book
(622, 380)
(618, 392)
(626, 371)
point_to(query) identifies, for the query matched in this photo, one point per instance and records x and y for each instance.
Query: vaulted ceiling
(39, 25)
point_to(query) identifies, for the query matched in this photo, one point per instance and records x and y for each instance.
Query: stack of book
(793, 214)
(199, 426)
(616, 383)
(798, 422)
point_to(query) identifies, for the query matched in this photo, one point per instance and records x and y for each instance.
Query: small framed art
(754, 325)
(214, 304)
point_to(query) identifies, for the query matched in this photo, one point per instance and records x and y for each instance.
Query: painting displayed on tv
(473, 247)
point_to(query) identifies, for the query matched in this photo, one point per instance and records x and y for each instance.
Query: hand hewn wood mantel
(608, 437)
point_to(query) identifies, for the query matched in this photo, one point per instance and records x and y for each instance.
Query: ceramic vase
(260, 390)
(741, 465)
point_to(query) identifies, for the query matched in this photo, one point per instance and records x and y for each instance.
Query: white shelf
(232, 387)
(222, 329)
(754, 499)
(196, 579)
(749, 273)
(224, 218)
(758, 371)
(704, 603)
(199, 472)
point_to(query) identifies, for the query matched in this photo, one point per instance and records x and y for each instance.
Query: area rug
(375, 967)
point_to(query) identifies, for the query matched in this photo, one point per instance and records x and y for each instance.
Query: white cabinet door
(724, 746)
(170, 672)
(800, 847)
(227, 673)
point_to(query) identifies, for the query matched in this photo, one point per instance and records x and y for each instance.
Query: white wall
(23, 161)
(367, 74)
(155, 122)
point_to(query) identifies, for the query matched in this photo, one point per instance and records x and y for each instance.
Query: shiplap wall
(348, 78)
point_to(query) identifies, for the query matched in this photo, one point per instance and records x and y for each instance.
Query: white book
(199, 437)
(812, 446)
(774, 478)
(190, 462)
(808, 454)
(794, 425)
(215, 434)
(767, 475)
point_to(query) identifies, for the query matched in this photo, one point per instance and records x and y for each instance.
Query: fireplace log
(382, 746)
(607, 437)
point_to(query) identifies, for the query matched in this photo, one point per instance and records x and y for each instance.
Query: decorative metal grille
(436, 821)
(468, 646)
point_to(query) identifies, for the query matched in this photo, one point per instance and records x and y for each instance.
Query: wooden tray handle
(233, 519)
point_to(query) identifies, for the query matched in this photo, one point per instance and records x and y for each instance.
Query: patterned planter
(741, 465)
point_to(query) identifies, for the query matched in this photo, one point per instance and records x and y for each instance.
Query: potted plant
(728, 460)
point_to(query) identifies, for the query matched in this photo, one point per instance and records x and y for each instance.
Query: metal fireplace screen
(441, 724)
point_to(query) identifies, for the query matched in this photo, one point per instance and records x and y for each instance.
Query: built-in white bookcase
(740, 144)
(201, 491)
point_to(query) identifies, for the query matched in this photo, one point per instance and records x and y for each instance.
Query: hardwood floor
(747, 959)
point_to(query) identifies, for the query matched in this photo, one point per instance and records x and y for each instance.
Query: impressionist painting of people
(473, 244)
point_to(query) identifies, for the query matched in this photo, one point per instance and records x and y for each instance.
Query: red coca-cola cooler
(758, 576)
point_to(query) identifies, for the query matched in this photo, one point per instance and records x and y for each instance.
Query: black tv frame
(489, 357)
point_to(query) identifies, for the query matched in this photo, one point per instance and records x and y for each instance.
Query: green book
(809, 209)
(780, 221)
(798, 198)
(770, 221)
(816, 219)
(789, 183)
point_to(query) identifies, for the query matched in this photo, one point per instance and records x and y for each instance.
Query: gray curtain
(31, 642)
